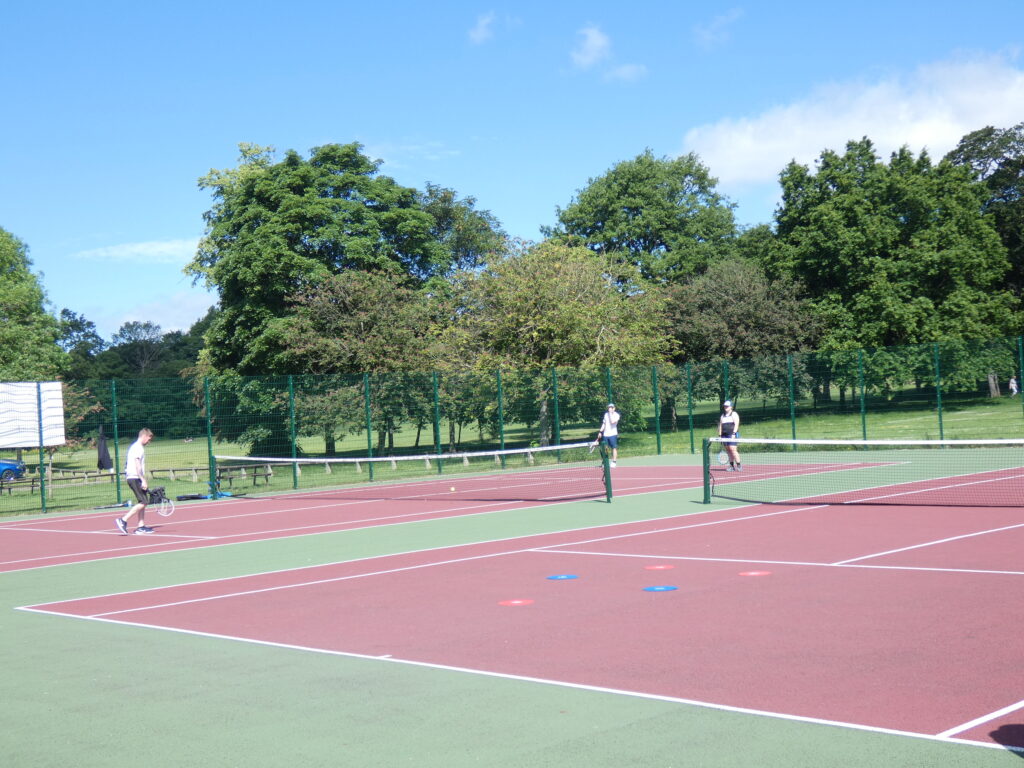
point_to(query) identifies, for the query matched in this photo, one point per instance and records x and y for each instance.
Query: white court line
(982, 720)
(544, 681)
(930, 543)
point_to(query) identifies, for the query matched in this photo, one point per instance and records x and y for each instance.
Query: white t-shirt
(610, 425)
(136, 456)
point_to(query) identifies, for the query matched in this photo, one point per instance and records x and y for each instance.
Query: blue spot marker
(662, 588)
(563, 576)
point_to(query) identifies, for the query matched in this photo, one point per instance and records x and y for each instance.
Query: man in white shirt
(135, 473)
(609, 431)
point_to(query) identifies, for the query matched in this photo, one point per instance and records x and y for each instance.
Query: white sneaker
(613, 464)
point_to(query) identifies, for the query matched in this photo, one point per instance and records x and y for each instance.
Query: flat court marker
(563, 577)
(660, 588)
(658, 567)
(755, 573)
(516, 602)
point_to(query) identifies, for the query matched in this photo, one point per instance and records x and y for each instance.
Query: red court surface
(44, 541)
(902, 619)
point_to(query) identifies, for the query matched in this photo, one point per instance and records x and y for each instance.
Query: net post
(706, 468)
(607, 469)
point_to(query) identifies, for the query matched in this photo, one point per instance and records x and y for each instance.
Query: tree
(78, 337)
(140, 345)
(996, 159)
(892, 254)
(28, 333)
(661, 215)
(277, 228)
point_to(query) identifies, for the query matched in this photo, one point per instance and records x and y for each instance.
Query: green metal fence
(950, 390)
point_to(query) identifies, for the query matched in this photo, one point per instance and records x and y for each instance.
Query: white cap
(611, 405)
(728, 403)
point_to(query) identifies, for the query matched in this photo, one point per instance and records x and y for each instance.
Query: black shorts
(136, 485)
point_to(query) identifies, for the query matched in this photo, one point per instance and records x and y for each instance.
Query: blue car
(10, 469)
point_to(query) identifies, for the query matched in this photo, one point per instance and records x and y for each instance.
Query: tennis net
(975, 473)
(547, 474)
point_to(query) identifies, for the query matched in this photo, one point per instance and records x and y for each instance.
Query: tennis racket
(723, 457)
(166, 507)
(593, 445)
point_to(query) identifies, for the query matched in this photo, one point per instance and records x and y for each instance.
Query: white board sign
(20, 417)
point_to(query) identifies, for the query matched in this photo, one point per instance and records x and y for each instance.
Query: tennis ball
(452, 488)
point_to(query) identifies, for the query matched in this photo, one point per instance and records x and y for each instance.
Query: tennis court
(846, 630)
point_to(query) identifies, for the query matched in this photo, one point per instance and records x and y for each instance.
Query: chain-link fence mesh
(953, 390)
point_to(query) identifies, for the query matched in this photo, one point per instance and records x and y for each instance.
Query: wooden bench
(172, 473)
(30, 482)
(242, 471)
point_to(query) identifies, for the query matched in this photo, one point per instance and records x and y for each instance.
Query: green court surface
(82, 693)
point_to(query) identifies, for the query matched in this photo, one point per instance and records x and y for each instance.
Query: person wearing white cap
(729, 427)
(609, 431)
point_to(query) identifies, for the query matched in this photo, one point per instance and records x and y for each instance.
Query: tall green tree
(278, 227)
(662, 215)
(28, 332)
(892, 254)
(996, 159)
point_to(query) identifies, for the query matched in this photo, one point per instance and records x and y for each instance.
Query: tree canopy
(661, 215)
(278, 227)
(28, 333)
(895, 253)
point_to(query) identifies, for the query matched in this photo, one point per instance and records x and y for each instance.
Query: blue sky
(112, 110)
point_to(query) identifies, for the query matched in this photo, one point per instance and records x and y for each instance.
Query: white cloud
(930, 108)
(626, 73)
(176, 311)
(154, 252)
(398, 155)
(716, 31)
(592, 49)
(483, 30)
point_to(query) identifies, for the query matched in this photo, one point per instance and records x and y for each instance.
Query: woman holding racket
(729, 427)
(609, 431)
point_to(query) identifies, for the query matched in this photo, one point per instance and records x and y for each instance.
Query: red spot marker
(516, 602)
(756, 573)
(658, 567)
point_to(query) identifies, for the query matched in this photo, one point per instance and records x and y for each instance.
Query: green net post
(117, 450)
(1020, 366)
(211, 461)
(42, 448)
(792, 395)
(437, 422)
(293, 439)
(369, 422)
(657, 406)
(938, 385)
(706, 468)
(863, 395)
(607, 475)
(689, 403)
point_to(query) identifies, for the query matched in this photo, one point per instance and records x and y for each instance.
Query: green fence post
(42, 448)
(1020, 366)
(863, 395)
(689, 403)
(608, 385)
(291, 428)
(557, 416)
(117, 450)
(657, 406)
(938, 385)
(725, 381)
(369, 422)
(501, 411)
(437, 423)
(792, 397)
(211, 462)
